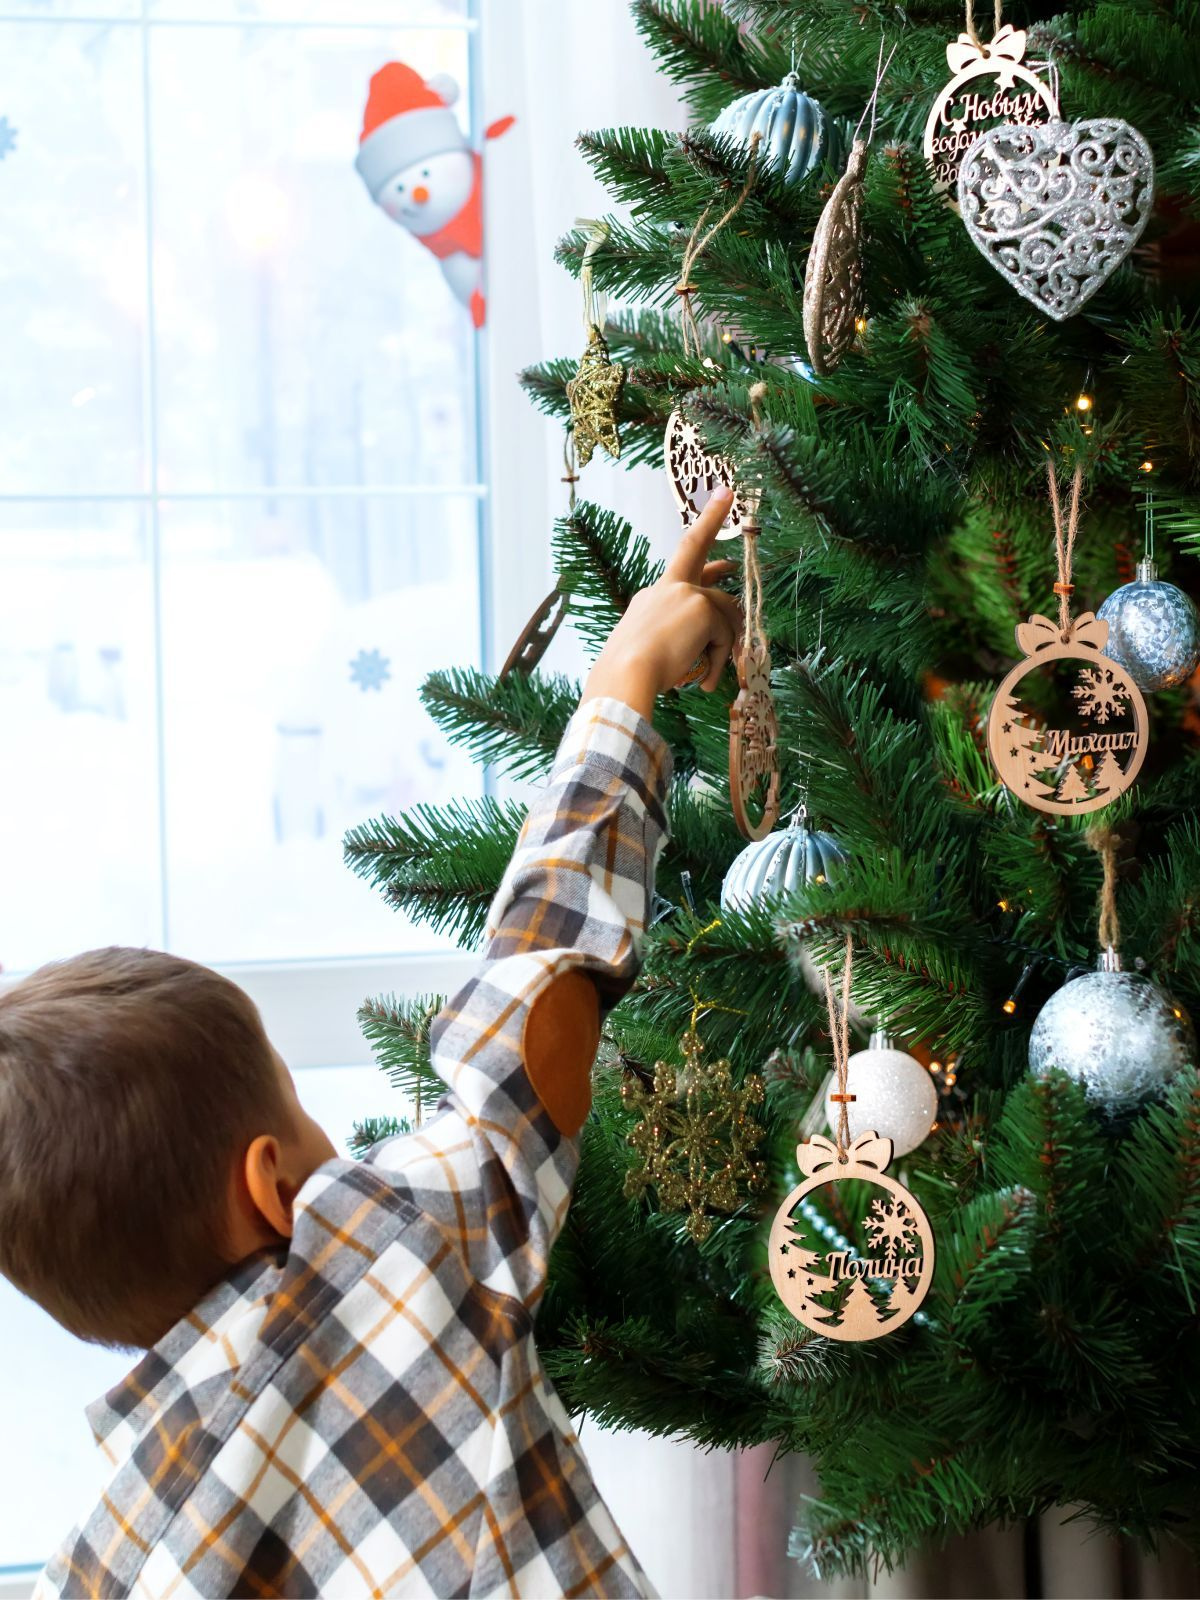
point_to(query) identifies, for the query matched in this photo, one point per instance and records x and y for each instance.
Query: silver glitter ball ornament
(894, 1096)
(797, 137)
(785, 860)
(1116, 1033)
(1153, 630)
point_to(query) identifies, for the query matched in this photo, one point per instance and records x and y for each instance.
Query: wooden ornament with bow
(1066, 748)
(867, 1275)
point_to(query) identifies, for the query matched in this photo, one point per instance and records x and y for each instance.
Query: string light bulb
(1083, 402)
(860, 324)
(1010, 1005)
(1146, 466)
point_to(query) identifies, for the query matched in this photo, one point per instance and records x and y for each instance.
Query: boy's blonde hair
(130, 1083)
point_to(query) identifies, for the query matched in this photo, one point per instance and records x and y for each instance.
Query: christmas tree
(905, 532)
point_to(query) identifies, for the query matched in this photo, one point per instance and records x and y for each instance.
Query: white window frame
(309, 1007)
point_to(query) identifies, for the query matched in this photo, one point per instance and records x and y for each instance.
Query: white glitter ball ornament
(894, 1096)
(1153, 630)
(1115, 1032)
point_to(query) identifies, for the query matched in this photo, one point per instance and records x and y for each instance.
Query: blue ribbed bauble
(1153, 630)
(782, 861)
(798, 137)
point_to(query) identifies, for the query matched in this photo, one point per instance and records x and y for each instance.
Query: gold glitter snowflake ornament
(695, 1137)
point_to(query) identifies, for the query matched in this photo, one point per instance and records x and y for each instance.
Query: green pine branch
(440, 865)
(513, 723)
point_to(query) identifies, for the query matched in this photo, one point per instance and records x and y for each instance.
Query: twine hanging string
(996, 16)
(1064, 543)
(754, 635)
(699, 243)
(1104, 841)
(570, 468)
(839, 1033)
(595, 305)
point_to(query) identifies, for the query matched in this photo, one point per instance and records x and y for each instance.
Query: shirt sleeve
(574, 899)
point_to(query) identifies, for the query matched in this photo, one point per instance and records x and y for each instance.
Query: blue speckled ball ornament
(1116, 1033)
(798, 137)
(1153, 630)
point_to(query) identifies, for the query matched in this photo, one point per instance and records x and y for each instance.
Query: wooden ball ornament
(969, 103)
(753, 721)
(753, 740)
(833, 298)
(825, 1287)
(1079, 768)
(534, 638)
(694, 472)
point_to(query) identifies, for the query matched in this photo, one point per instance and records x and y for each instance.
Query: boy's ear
(266, 1185)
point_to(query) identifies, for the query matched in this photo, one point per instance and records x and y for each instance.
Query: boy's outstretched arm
(564, 932)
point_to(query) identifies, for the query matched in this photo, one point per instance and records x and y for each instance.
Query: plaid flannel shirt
(367, 1415)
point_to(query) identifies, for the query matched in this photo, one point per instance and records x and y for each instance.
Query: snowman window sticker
(419, 169)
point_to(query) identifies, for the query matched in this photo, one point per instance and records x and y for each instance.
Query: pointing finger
(688, 561)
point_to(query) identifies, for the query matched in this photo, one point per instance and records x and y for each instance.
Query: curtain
(704, 1524)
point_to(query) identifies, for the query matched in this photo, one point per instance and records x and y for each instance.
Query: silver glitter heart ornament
(1057, 207)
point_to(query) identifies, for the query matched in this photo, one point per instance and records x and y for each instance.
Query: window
(241, 516)
(241, 497)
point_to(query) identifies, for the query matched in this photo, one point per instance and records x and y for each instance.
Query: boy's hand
(666, 627)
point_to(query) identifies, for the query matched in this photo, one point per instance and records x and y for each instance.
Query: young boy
(341, 1394)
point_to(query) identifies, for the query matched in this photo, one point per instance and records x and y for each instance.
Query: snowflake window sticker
(370, 670)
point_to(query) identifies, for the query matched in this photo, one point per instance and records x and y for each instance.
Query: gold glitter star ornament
(593, 394)
(696, 1136)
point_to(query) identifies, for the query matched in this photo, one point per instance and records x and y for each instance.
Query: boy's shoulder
(303, 1346)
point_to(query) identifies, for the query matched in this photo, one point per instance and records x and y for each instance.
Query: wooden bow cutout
(1008, 45)
(868, 1150)
(1086, 630)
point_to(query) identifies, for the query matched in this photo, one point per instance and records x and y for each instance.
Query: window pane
(69, 8)
(50, 1471)
(72, 260)
(296, 633)
(389, 13)
(78, 817)
(303, 338)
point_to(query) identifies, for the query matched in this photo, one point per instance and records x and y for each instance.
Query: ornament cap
(1110, 960)
(1147, 572)
(880, 1039)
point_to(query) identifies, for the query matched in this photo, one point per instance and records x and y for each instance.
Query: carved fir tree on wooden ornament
(846, 1292)
(1078, 749)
